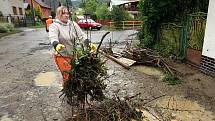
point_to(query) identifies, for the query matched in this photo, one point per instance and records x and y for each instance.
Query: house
(208, 53)
(12, 11)
(128, 5)
(40, 7)
(53, 4)
(12, 8)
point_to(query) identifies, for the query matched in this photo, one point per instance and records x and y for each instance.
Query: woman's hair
(60, 11)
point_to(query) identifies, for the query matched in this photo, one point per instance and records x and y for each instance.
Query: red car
(89, 24)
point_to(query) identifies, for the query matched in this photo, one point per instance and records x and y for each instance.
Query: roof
(26, 5)
(42, 4)
(120, 2)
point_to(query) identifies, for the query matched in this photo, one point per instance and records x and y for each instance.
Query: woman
(64, 35)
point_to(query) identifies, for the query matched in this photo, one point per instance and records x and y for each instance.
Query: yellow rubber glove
(93, 48)
(59, 47)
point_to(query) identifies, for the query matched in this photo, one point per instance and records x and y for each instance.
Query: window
(20, 11)
(14, 10)
(1, 13)
(88, 20)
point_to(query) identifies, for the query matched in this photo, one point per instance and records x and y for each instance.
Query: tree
(38, 12)
(156, 12)
(102, 12)
(117, 16)
(64, 2)
(90, 7)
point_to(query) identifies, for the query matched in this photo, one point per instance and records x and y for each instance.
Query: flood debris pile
(150, 57)
(110, 110)
(86, 78)
(143, 56)
(84, 90)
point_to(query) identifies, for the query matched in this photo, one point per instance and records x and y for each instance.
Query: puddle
(152, 71)
(5, 118)
(45, 79)
(183, 109)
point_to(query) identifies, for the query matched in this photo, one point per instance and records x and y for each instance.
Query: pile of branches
(114, 109)
(150, 57)
(86, 78)
(144, 56)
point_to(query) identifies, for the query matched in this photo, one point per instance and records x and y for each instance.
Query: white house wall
(18, 4)
(208, 53)
(209, 40)
(6, 6)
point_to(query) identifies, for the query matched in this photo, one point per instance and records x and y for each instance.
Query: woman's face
(65, 16)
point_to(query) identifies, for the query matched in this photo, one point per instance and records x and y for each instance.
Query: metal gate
(192, 36)
(196, 30)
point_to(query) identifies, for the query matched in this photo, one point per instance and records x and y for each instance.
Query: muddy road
(30, 84)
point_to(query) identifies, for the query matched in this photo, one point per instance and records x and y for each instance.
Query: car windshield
(88, 20)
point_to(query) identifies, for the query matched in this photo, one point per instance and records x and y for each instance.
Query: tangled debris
(86, 78)
(86, 81)
(150, 57)
(114, 109)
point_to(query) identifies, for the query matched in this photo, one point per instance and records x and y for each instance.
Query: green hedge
(6, 27)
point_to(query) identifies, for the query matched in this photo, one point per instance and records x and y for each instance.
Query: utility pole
(50, 2)
(67, 4)
(33, 13)
(54, 5)
(68, 7)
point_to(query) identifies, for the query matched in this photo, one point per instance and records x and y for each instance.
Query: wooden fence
(121, 25)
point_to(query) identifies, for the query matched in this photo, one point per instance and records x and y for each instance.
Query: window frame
(14, 10)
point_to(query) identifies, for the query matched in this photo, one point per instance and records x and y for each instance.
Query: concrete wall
(208, 53)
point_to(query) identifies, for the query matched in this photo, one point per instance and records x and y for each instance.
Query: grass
(9, 33)
(171, 80)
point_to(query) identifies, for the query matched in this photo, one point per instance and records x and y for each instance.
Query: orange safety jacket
(48, 23)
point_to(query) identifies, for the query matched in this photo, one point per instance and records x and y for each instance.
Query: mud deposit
(182, 109)
(45, 79)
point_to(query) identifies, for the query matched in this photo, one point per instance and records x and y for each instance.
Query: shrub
(6, 27)
(3, 28)
(165, 49)
(119, 15)
(171, 80)
(9, 26)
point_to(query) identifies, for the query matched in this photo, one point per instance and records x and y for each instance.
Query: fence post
(18, 21)
(123, 25)
(25, 22)
(9, 19)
